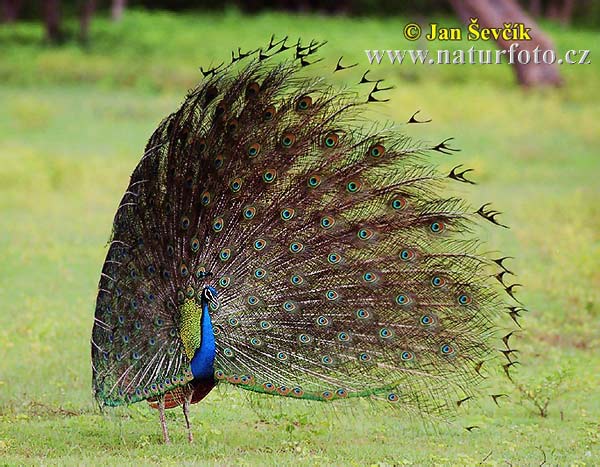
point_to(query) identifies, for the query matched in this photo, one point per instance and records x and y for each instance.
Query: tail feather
(342, 269)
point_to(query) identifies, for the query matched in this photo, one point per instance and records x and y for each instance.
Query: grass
(73, 123)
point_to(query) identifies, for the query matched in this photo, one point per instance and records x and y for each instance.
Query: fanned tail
(342, 269)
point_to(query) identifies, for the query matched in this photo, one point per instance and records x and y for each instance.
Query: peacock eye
(225, 254)
(220, 109)
(334, 258)
(464, 299)
(314, 181)
(288, 140)
(255, 341)
(398, 203)
(304, 338)
(269, 175)
(304, 103)
(364, 234)
(407, 254)
(437, 226)
(438, 281)
(296, 279)
(232, 124)
(402, 299)
(296, 247)
(210, 94)
(269, 113)
(218, 224)
(260, 244)
(205, 198)
(327, 222)
(263, 324)
(219, 161)
(331, 140)
(370, 277)
(249, 212)
(287, 213)
(362, 313)
(235, 184)
(201, 145)
(353, 187)
(201, 272)
(332, 295)
(224, 281)
(427, 320)
(260, 273)
(376, 151)
(252, 89)
(343, 336)
(254, 149)
(322, 321)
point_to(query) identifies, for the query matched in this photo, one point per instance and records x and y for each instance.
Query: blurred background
(83, 85)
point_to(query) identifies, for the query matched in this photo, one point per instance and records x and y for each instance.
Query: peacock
(274, 239)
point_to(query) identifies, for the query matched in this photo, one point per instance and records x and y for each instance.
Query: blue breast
(203, 361)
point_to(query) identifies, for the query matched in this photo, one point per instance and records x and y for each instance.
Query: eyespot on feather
(331, 140)
(287, 140)
(304, 103)
(252, 90)
(220, 109)
(313, 181)
(269, 113)
(376, 151)
(254, 149)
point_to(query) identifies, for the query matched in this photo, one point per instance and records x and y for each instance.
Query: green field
(73, 123)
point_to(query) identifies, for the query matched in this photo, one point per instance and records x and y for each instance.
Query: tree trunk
(10, 10)
(52, 20)
(87, 11)
(494, 14)
(535, 7)
(117, 9)
(553, 9)
(567, 11)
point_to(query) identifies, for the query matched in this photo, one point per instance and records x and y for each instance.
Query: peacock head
(210, 296)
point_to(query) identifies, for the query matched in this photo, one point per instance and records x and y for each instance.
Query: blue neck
(203, 360)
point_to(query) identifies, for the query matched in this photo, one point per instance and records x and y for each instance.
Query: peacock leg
(186, 414)
(163, 420)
